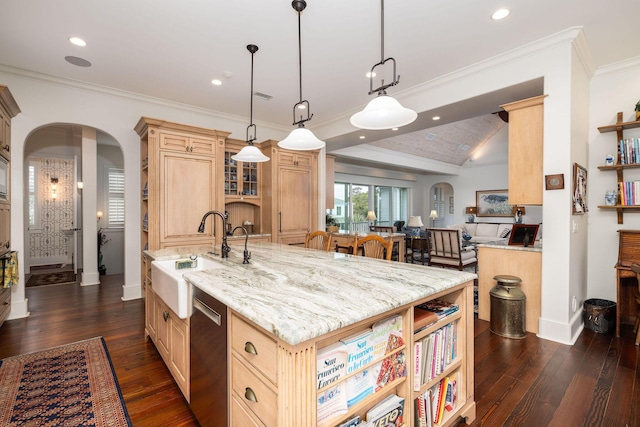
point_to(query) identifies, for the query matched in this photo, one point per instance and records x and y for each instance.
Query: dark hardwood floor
(528, 382)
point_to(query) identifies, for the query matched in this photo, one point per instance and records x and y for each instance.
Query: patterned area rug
(57, 278)
(71, 385)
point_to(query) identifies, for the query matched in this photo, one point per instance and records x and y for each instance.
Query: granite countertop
(300, 294)
(537, 247)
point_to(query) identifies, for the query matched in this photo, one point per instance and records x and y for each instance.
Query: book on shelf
(332, 401)
(423, 318)
(423, 410)
(436, 351)
(442, 392)
(359, 350)
(351, 422)
(380, 332)
(331, 364)
(393, 366)
(417, 365)
(388, 412)
(452, 394)
(440, 307)
(359, 386)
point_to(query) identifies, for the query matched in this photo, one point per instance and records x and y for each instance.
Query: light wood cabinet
(526, 140)
(241, 179)
(290, 203)
(8, 110)
(619, 167)
(181, 169)
(524, 264)
(180, 172)
(270, 377)
(172, 342)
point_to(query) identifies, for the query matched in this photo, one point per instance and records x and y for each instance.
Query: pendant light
(383, 111)
(301, 138)
(251, 153)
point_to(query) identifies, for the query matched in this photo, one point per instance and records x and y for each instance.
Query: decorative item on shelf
(637, 110)
(371, 217)
(301, 138)
(471, 211)
(608, 161)
(610, 197)
(250, 153)
(518, 212)
(414, 224)
(383, 111)
(433, 215)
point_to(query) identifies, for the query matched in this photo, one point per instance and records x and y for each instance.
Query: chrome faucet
(247, 254)
(225, 247)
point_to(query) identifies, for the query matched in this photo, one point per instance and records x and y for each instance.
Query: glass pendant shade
(250, 153)
(301, 139)
(383, 112)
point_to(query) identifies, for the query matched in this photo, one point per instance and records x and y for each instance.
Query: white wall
(614, 89)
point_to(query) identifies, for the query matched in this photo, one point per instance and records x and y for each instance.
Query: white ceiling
(172, 49)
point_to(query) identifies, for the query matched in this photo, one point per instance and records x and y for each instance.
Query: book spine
(417, 375)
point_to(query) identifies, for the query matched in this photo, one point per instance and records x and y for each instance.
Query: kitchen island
(293, 301)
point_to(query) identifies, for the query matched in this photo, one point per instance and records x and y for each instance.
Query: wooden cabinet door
(187, 192)
(5, 227)
(179, 354)
(202, 146)
(174, 142)
(5, 135)
(162, 331)
(150, 311)
(295, 205)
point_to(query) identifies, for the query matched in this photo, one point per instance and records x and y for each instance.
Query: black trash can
(599, 315)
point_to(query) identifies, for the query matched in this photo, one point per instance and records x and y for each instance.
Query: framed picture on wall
(579, 198)
(493, 203)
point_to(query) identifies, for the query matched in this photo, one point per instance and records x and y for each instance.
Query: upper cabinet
(181, 176)
(290, 201)
(525, 150)
(241, 179)
(8, 110)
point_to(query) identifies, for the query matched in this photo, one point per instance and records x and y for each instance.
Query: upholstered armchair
(445, 249)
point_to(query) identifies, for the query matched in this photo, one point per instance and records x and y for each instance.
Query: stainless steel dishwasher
(209, 360)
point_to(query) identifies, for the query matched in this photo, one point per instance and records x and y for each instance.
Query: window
(34, 220)
(354, 201)
(115, 197)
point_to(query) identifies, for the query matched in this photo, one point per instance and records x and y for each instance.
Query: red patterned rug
(71, 385)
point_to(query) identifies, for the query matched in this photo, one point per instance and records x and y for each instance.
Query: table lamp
(471, 211)
(371, 217)
(433, 215)
(415, 222)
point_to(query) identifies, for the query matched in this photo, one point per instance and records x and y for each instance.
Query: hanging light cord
(396, 78)
(253, 49)
(299, 6)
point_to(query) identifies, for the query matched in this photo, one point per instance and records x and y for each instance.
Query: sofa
(483, 232)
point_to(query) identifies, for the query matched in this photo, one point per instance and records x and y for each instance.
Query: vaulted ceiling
(172, 50)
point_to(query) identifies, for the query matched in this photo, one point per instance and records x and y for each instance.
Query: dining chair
(382, 228)
(445, 250)
(374, 246)
(318, 240)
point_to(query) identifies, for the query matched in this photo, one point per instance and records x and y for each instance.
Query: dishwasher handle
(207, 311)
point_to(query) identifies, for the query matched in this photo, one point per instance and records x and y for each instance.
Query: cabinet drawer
(172, 141)
(5, 303)
(253, 392)
(254, 347)
(240, 416)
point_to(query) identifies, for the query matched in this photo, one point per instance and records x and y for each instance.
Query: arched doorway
(441, 204)
(53, 198)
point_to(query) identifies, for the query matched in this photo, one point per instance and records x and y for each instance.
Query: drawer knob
(250, 348)
(250, 395)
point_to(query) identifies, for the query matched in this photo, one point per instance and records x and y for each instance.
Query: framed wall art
(579, 198)
(554, 182)
(493, 203)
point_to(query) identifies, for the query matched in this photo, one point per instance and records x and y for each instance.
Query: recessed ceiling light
(435, 118)
(362, 136)
(216, 82)
(77, 41)
(500, 14)
(370, 74)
